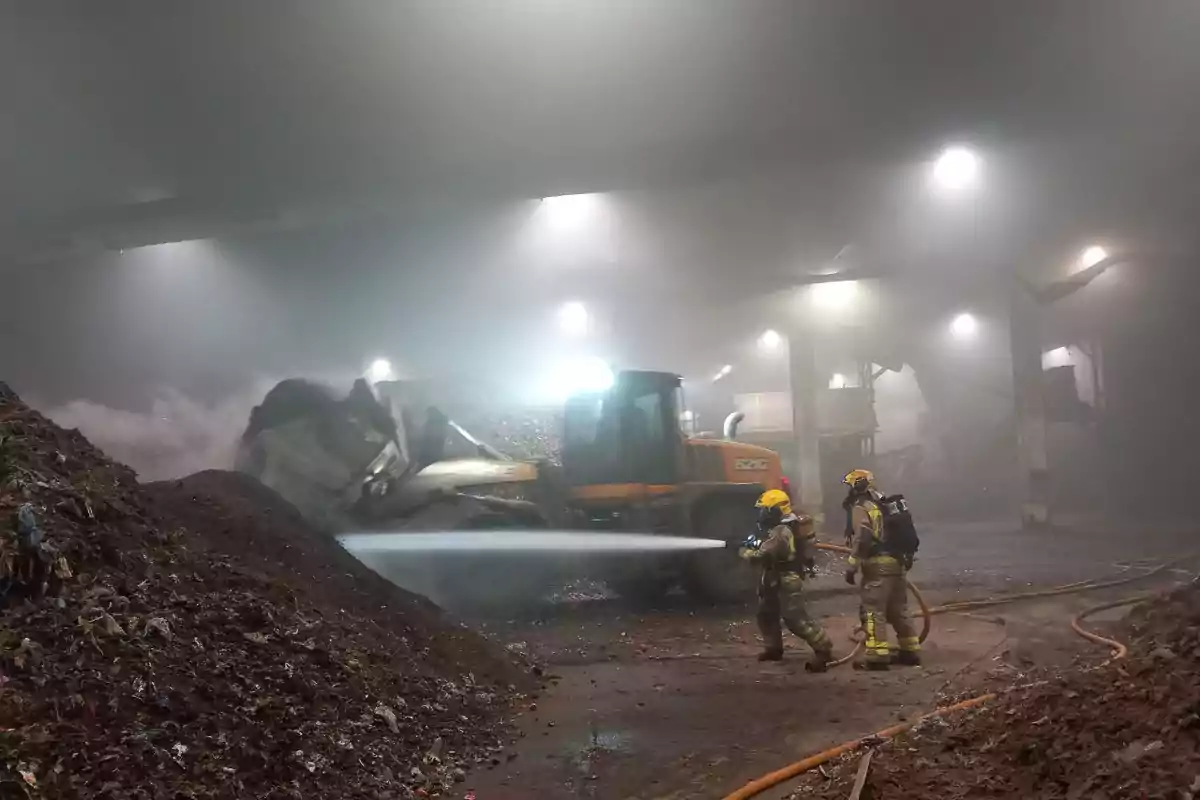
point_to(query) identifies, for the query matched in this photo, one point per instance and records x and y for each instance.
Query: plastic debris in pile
(133, 665)
(526, 435)
(29, 565)
(1128, 729)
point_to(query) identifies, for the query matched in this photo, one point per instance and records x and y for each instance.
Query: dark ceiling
(129, 109)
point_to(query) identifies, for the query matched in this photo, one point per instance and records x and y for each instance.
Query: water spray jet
(522, 541)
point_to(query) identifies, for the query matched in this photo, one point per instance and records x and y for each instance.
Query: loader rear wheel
(720, 577)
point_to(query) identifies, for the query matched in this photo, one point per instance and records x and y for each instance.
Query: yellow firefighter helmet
(860, 480)
(775, 499)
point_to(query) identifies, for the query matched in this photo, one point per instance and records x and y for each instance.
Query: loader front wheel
(720, 577)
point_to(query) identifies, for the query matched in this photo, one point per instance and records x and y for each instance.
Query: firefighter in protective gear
(784, 548)
(884, 581)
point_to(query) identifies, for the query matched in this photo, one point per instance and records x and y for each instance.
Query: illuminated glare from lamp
(1092, 256)
(167, 248)
(573, 318)
(964, 327)
(186, 252)
(722, 372)
(687, 416)
(569, 211)
(835, 295)
(770, 340)
(380, 370)
(957, 168)
(838, 381)
(582, 375)
(1058, 357)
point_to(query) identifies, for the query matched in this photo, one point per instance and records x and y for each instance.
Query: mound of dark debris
(1129, 729)
(231, 513)
(139, 660)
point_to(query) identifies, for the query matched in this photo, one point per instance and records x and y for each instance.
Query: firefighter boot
(820, 661)
(907, 658)
(771, 655)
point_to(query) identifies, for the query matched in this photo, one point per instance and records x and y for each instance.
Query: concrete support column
(1026, 345)
(802, 370)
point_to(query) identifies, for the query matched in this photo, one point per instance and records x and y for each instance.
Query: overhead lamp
(964, 326)
(770, 340)
(379, 370)
(956, 169)
(1091, 256)
(573, 318)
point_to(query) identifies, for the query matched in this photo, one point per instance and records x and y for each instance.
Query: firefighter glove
(850, 575)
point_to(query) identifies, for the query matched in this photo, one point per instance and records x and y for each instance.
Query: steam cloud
(177, 436)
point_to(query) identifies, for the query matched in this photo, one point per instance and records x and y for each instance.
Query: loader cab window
(621, 437)
(684, 421)
(581, 423)
(646, 418)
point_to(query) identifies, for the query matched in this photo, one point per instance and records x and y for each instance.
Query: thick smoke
(900, 409)
(177, 436)
(180, 435)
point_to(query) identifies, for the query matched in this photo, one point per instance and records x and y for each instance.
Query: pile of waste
(139, 659)
(1128, 729)
(231, 513)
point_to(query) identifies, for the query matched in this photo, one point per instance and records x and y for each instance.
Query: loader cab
(627, 434)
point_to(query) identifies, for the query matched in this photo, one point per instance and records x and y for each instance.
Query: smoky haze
(177, 436)
(359, 181)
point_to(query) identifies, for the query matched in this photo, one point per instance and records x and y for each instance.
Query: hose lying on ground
(926, 612)
(1072, 588)
(963, 605)
(1118, 648)
(760, 785)
(772, 779)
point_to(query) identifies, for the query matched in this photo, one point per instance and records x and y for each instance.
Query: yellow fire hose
(772, 779)
(1118, 648)
(1072, 588)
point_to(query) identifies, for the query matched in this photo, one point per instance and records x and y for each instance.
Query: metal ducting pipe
(731, 424)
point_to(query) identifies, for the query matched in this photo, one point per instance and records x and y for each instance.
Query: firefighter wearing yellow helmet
(784, 549)
(884, 569)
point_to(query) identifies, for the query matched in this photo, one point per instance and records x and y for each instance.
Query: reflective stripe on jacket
(867, 524)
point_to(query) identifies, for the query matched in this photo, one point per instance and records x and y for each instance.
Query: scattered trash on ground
(1127, 729)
